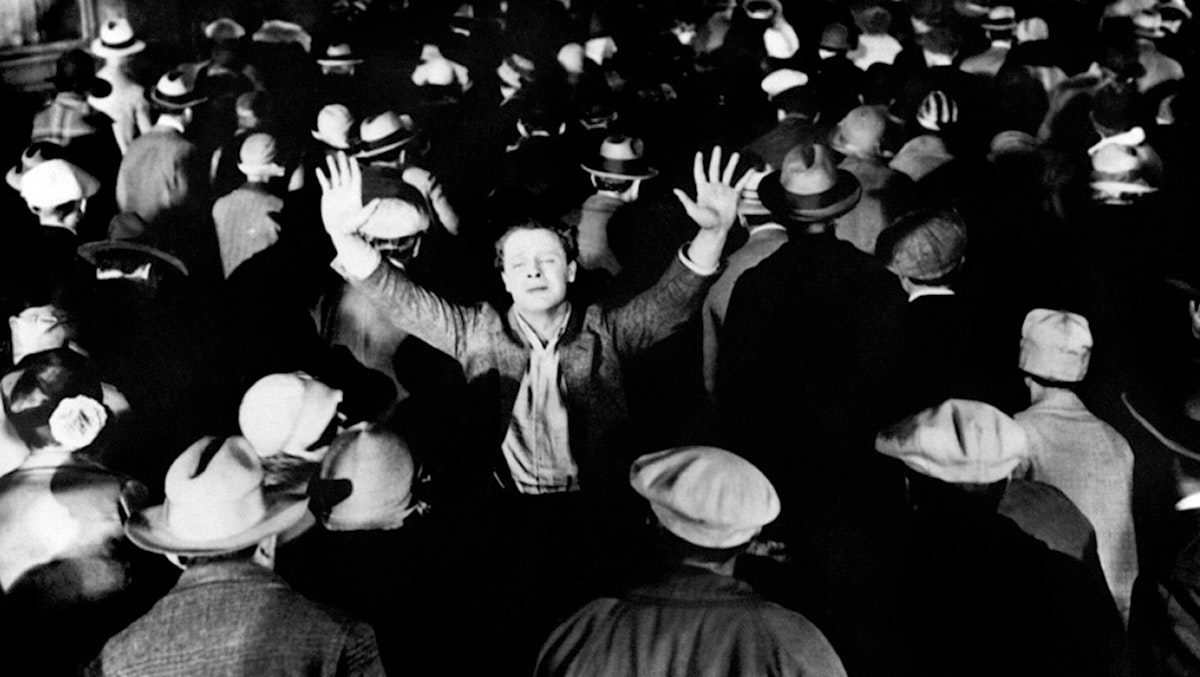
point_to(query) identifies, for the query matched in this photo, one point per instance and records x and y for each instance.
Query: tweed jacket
(234, 619)
(494, 355)
(691, 623)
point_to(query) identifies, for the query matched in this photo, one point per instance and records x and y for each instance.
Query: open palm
(715, 206)
(342, 210)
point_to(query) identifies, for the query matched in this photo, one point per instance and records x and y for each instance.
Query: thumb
(367, 212)
(688, 204)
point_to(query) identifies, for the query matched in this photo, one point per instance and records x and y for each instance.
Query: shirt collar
(763, 227)
(170, 122)
(929, 291)
(234, 570)
(532, 336)
(1189, 502)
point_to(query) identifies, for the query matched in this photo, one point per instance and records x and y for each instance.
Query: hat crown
(285, 413)
(958, 441)
(214, 490)
(923, 245)
(338, 50)
(334, 122)
(620, 147)
(807, 170)
(54, 182)
(1056, 345)
(383, 125)
(782, 80)
(224, 29)
(861, 131)
(258, 149)
(178, 82)
(116, 32)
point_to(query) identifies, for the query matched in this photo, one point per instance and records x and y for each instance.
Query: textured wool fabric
(959, 441)
(1055, 345)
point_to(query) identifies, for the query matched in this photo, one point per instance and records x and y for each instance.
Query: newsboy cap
(958, 441)
(706, 496)
(923, 245)
(1055, 345)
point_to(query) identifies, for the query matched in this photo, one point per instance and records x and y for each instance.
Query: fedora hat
(620, 157)
(385, 132)
(280, 32)
(809, 188)
(176, 89)
(215, 503)
(37, 153)
(116, 39)
(224, 29)
(127, 233)
(289, 414)
(339, 54)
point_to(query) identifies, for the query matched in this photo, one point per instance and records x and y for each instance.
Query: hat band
(630, 168)
(203, 522)
(181, 100)
(120, 45)
(394, 140)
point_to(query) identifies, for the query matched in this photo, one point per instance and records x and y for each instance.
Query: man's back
(156, 173)
(689, 623)
(238, 618)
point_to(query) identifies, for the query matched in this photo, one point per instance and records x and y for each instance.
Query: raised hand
(715, 206)
(342, 210)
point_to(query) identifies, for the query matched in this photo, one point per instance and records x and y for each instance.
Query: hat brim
(177, 102)
(150, 531)
(13, 178)
(830, 204)
(1182, 437)
(104, 51)
(1172, 282)
(262, 170)
(320, 137)
(338, 62)
(89, 250)
(393, 141)
(619, 169)
(703, 535)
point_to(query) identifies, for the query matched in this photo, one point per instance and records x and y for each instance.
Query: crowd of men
(608, 337)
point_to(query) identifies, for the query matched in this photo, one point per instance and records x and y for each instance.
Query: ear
(1193, 308)
(572, 267)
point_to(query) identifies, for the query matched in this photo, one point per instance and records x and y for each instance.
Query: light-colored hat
(1055, 345)
(258, 156)
(920, 156)
(334, 123)
(1122, 174)
(749, 202)
(339, 54)
(54, 182)
(31, 157)
(761, 10)
(224, 29)
(116, 39)
(380, 470)
(1000, 18)
(1032, 29)
(620, 157)
(176, 89)
(937, 111)
(959, 441)
(809, 188)
(214, 504)
(385, 132)
(778, 82)
(289, 414)
(706, 496)
(860, 133)
(923, 245)
(279, 32)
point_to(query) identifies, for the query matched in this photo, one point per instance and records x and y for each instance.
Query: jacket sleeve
(659, 311)
(422, 313)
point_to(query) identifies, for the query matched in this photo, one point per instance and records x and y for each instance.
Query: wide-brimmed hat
(1177, 427)
(958, 441)
(365, 482)
(620, 157)
(339, 54)
(1000, 18)
(55, 397)
(127, 233)
(707, 496)
(780, 81)
(176, 89)
(334, 124)
(37, 153)
(75, 70)
(280, 32)
(116, 39)
(809, 188)
(938, 111)
(289, 414)
(224, 29)
(385, 132)
(54, 182)
(215, 503)
(258, 156)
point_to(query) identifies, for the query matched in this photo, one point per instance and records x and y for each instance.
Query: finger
(744, 181)
(368, 211)
(714, 165)
(323, 181)
(343, 168)
(698, 169)
(688, 205)
(355, 172)
(727, 177)
(331, 164)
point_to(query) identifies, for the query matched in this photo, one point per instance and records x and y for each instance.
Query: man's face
(536, 271)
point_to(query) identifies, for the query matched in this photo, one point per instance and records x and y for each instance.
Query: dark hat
(835, 36)
(1177, 430)
(56, 399)
(620, 157)
(941, 40)
(75, 71)
(127, 233)
(809, 188)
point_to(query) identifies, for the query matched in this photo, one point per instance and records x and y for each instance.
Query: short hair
(676, 549)
(565, 235)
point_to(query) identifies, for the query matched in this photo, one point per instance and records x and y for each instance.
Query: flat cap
(706, 496)
(959, 441)
(1055, 345)
(923, 245)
